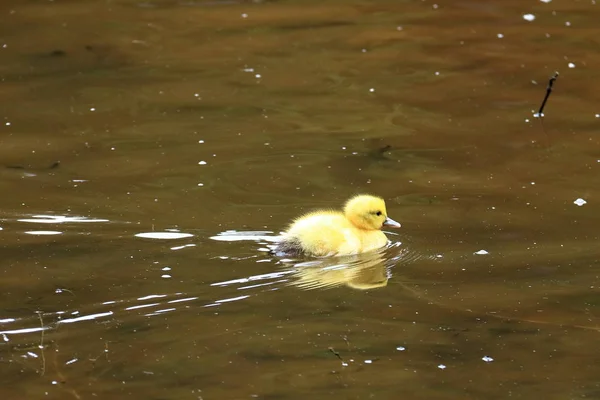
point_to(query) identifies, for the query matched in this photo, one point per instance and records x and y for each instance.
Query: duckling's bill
(390, 222)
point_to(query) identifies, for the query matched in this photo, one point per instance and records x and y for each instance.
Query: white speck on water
(372, 90)
(481, 252)
(71, 361)
(248, 70)
(437, 73)
(398, 28)
(54, 383)
(537, 115)
(257, 76)
(200, 141)
(529, 17)
(571, 65)
(597, 115)
(487, 359)
(364, 50)
(7, 124)
(202, 163)
(441, 366)
(165, 276)
(30, 354)
(368, 361)
(545, 1)
(567, 23)
(533, 183)
(435, 6)
(580, 202)
(166, 269)
(500, 36)
(400, 348)
(92, 109)
(201, 184)
(244, 15)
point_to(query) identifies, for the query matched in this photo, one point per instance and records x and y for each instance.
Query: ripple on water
(362, 272)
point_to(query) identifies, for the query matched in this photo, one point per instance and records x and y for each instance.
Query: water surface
(134, 133)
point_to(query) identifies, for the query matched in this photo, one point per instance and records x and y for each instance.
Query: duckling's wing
(324, 233)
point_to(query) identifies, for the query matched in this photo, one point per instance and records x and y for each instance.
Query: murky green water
(176, 123)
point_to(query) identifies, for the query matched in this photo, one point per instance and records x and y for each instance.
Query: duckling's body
(328, 233)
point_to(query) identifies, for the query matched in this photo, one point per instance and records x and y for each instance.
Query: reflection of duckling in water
(357, 272)
(333, 233)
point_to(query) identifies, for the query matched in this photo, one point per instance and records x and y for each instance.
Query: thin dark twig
(41, 346)
(336, 354)
(548, 91)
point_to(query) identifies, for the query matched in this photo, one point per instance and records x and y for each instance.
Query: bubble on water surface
(529, 17)
(481, 252)
(580, 202)
(487, 359)
(441, 366)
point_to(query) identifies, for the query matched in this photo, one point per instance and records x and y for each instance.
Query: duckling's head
(368, 212)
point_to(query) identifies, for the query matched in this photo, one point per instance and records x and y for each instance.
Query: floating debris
(481, 252)
(487, 359)
(580, 202)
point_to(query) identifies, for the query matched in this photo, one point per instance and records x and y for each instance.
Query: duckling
(332, 233)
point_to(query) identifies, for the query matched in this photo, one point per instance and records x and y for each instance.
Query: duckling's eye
(378, 213)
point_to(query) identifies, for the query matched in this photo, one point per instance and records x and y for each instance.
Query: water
(132, 134)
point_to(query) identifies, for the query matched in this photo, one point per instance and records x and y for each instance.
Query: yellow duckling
(333, 233)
